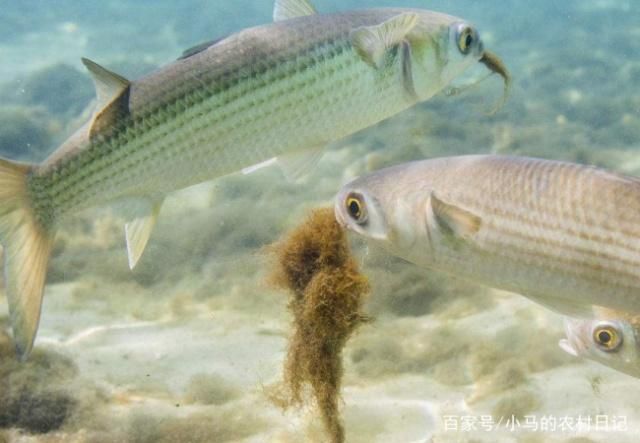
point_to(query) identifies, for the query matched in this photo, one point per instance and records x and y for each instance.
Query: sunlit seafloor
(182, 348)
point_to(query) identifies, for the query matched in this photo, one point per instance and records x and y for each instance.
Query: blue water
(196, 326)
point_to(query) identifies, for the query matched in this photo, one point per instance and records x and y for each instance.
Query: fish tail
(27, 246)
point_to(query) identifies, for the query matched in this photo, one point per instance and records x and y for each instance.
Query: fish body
(259, 94)
(565, 235)
(282, 90)
(611, 339)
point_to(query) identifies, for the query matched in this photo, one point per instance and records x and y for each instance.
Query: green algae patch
(327, 291)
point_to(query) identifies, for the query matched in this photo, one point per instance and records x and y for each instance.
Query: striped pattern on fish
(564, 234)
(273, 91)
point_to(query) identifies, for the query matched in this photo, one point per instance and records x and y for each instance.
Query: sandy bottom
(177, 352)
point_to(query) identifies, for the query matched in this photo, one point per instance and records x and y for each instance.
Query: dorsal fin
(454, 221)
(372, 42)
(286, 9)
(199, 48)
(109, 85)
(112, 92)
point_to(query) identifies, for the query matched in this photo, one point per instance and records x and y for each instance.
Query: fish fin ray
(253, 168)
(297, 164)
(112, 92)
(109, 85)
(372, 42)
(287, 9)
(27, 247)
(138, 231)
(453, 220)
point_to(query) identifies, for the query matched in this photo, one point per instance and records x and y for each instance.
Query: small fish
(283, 90)
(565, 235)
(610, 340)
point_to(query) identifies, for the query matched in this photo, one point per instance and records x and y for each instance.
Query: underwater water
(184, 347)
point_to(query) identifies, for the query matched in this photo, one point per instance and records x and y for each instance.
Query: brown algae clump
(315, 265)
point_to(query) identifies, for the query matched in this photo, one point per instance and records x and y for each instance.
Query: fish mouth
(496, 66)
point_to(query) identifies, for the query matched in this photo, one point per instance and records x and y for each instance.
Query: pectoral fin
(372, 42)
(453, 221)
(138, 230)
(286, 9)
(296, 164)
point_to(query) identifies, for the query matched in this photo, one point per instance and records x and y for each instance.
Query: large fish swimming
(282, 90)
(563, 234)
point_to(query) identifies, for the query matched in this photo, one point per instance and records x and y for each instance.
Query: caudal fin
(27, 247)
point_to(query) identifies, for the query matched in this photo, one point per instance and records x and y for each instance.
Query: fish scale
(554, 250)
(283, 90)
(566, 235)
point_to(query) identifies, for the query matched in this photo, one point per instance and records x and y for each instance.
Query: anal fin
(138, 230)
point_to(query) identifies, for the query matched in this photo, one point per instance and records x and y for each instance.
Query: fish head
(360, 211)
(443, 48)
(382, 208)
(612, 343)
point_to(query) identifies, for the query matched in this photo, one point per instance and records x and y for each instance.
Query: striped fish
(565, 235)
(283, 90)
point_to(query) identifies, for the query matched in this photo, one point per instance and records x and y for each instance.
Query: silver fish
(565, 235)
(611, 339)
(282, 90)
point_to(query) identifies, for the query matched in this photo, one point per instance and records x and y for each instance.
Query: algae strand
(327, 291)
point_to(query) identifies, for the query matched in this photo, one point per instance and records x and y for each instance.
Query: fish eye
(356, 208)
(466, 38)
(607, 337)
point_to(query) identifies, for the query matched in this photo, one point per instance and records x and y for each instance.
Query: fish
(565, 235)
(280, 91)
(611, 339)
